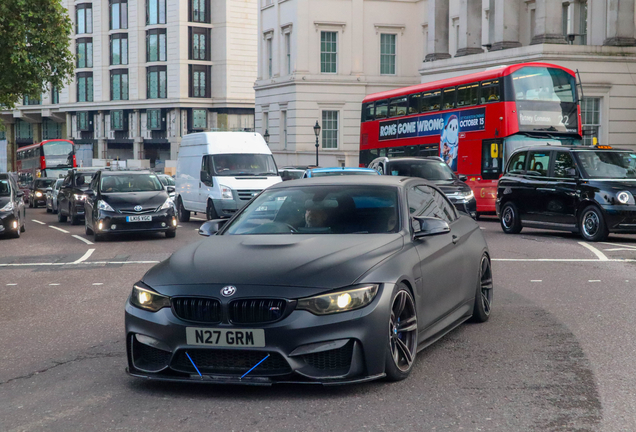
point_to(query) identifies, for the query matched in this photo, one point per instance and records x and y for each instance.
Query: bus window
(467, 95)
(414, 103)
(449, 98)
(380, 109)
(491, 159)
(543, 84)
(490, 91)
(398, 107)
(431, 101)
(368, 112)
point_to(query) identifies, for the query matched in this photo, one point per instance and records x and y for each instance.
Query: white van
(219, 172)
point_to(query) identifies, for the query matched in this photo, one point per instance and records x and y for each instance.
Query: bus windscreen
(543, 84)
(57, 148)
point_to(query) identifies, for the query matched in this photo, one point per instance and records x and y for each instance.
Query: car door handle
(455, 239)
(546, 189)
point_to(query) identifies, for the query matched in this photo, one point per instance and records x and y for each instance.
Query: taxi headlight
(147, 299)
(169, 203)
(38, 194)
(226, 192)
(340, 301)
(624, 197)
(8, 207)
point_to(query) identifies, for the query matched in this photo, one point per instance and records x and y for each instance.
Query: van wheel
(210, 211)
(184, 215)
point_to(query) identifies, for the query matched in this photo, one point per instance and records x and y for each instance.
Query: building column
(102, 145)
(175, 133)
(620, 23)
(138, 141)
(438, 16)
(470, 28)
(505, 24)
(549, 23)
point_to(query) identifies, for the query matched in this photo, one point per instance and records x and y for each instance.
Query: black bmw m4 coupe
(330, 280)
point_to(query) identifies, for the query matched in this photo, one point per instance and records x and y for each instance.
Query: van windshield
(243, 165)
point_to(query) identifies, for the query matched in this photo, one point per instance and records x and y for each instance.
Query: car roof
(352, 181)
(568, 147)
(107, 172)
(331, 169)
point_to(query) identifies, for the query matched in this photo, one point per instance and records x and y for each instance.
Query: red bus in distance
(474, 122)
(50, 158)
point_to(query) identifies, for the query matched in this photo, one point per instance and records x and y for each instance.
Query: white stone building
(319, 58)
(147, 73)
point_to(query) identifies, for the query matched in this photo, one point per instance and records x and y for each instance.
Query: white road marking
(199, 219)
(537, 280)
(54, 284)
(11, 284)
(59, 229)
(84, 263)
(594, 280)
(85, 256)
(620, 245)
(601, 256)
(82, 239)
(37, 221)
(179, 226)
(618, 249)
(98, 283)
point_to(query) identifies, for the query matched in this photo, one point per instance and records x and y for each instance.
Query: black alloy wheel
(60, 217)
(210, 211)
(484, 295)
(75, 219)
(510, 222)
(184, 215)
(592, 224)
(402, 343)
(87, 230)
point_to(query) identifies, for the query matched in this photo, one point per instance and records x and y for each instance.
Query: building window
(288, 52)
(83, 121)
(84, 52)
(155, 12)
(387, 54)
(84, 18)
(153, 119)
(156, 45)
(199, 119)
(157, 82)
(26, 100)
(283, 120)
(119, 49)
(330, 129)
(269, 57)
(118, 14)
(591, 119)
(85, 87)
(328, 52)
(199, 43)
(582, 37)
(200, 11)
(23, 130)
(55, 96)
(265, 123)
(119, 84)
(117, 120)
(199, 81)
(51, 129)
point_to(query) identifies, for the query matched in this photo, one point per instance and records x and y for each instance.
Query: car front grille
(230, 362)
(256, 311)
(247, 194)
(203, 310)
(145, 210)
(336, 359)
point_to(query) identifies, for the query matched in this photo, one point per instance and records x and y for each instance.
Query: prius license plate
(138, 218)
(225, 338)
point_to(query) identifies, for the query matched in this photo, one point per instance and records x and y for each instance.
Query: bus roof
(490, 73)
(32, 146)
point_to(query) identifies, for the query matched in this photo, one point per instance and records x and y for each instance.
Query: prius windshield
(4, 188)
(433, 170)
(130, 183)
(243, 165)
(601, 164)
(342, 209)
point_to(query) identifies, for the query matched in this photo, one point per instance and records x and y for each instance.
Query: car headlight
(8, 207)
(169, 203)
(79, 197)
(147, 299)
(625, 197)
(38, 194)
(340, 301)
(467, 195)
(103, 205)
(226, 192)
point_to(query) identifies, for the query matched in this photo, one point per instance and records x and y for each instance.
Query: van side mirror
(206, 178)
(425, 226)
(211, 227)
(170, 189)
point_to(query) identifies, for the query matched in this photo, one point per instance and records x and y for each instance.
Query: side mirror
(206, 178)
(170, 189)
(211, 227)
(571, 172)
(89, 192)
(463, 178)
(48, 189)
(19, 194)
(424, 226)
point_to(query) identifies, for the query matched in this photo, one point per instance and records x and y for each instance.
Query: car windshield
(243, 164)
(292, 174)
(341, 173)
(56, 173)
(43, 183)
(4, 188)
(427, 169)
(167, 180)
(608, 164)
(341, 209)
(130, 183)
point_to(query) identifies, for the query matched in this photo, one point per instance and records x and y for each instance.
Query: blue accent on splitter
(250, 369)
(195, 366)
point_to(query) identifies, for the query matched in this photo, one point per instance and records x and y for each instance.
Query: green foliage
(34, 48)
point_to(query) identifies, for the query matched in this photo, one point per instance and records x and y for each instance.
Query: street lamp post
(317, 132)
(266, 137)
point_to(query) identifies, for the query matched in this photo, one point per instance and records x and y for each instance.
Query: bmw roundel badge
(228, 291)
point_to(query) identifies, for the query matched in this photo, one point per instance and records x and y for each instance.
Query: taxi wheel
(87, 230)
(510, 222)
(592, 225)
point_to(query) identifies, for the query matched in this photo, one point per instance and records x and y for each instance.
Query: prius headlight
(8, 207)
(103, 205)
(147, 299)
(168, 204)
(625, 197)
(340, 301)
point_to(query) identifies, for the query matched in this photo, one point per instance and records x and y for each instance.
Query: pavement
(557, 354)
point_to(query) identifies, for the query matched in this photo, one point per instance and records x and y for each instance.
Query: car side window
(517, 163)
(448, 210)
(68, 180)
(564, 166)
(538, 163)
(426, 201)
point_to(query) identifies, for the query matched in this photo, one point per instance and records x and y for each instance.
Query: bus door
(491, 169)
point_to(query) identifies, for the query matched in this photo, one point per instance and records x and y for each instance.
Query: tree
(34, 48)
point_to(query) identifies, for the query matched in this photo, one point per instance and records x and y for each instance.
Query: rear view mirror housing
(206, 178)
(170, 189)
(424, 226)
(211, 227)
(463, 178)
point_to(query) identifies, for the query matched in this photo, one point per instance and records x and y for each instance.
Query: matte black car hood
(450, 186)
(322, 261)
(131, 199)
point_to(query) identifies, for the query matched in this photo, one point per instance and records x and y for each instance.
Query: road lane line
(54, 284)
(82, 239)
(98, 283)
(537, 280)
(601, 256)
(621, 245)
(198, 219)
(59, 229)
(100, 262)
(85, 256)
(37, 221)
(619, 249)
(11, 284)
(594, 280)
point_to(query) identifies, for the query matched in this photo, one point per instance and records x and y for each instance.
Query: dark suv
(72, 195)
(12, 211)
(585, 190)
(37, 191)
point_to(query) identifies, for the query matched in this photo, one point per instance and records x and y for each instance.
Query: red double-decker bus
(474, 121)
(50, 158)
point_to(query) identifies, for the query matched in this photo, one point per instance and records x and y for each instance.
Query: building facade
(147, 73)
(319, 58)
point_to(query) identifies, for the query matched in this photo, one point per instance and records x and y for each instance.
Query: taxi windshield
(602, 164)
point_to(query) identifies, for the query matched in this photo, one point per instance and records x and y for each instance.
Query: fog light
(163, 224)
(174, 222)
(101, 225)
(113, 227)
(15, 224)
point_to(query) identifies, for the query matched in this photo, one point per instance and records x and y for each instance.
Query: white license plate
(225, 338)
(138, 218)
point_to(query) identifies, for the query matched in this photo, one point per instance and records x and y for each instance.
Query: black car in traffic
(585, 190)
(12, 211)
(120, 202)
(37, 191)
(72, 195)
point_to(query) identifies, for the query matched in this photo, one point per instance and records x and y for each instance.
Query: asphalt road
(557, 355)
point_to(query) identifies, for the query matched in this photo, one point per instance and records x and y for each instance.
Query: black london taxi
(585, 190)
(37, 191)
(12, 211)
(72, 195)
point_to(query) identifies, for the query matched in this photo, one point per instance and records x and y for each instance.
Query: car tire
(75, 220)
(210, 211)
(477, 216)
(60, 216)
(30, 203)
(98, 237)
(184, 215)
(87, 230)
(171, 234)
(402, 336)
(48, 210)
(484, 294)
(592, 226)
(510, 222)
(35, 204)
